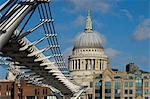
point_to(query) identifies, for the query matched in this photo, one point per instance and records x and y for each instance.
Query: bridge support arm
(13, 22)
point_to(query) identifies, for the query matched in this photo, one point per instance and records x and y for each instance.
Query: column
(89, 65)
(96, 64)
(103, 89)
(77, 64)
(99, 64)
(122, 89)
(83, 65)
(112, 90)
(92, 64)
(74, 64)
(102, 64)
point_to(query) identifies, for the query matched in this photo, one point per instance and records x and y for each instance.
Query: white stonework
(87, 59)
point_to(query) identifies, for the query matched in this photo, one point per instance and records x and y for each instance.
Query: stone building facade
(87, 59)
(122, 85)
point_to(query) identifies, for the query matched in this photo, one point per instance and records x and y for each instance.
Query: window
(117, 97)
(146, 91)
(97, 91)
(35, 91)
(126, 91)
(117, 84)
(43, 91)
(107, 83)
(117, 91)
(91, 84)
(130, 84)
(130, 97)
(130, 91)
(38, 92)
(146, 84)
(98, 84)
(126, 84)
(138, 92)
(146, 97)
(30, 97)
(125, 97)
(117, 77)
(107, 90)
(46, 91)
(107, 97)
(89, 96)
(138, 83)
(7, 90)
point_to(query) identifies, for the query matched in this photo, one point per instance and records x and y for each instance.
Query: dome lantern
(88, 25)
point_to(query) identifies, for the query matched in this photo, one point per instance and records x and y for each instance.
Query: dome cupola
(88, 38)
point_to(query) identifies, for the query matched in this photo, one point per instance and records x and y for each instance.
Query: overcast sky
(124, 26)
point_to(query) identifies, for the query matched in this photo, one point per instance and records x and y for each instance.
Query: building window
(117, 97)
(98, 84)
(97, 91)
(117, 91)
(30, 97)
(126, 91)
(126, 84)
(91, 84)
(125, 97)
(146, 84)
(107, 90)
(138, 83)
(146, 91)
(130, 84)
(89, 96)
(46, 91)
(130, 91)
(43, 91)
(107, 97)
(138, 92)
(146, 97)
(130, 97)
(7, 90)
(107, 83)
(38, 92)
(117, 84)
(35, 91)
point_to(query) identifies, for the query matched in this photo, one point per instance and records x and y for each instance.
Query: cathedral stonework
(88, 58)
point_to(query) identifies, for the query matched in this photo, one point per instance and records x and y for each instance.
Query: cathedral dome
(88, 38)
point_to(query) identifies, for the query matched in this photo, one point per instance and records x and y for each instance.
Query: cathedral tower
(88, 57)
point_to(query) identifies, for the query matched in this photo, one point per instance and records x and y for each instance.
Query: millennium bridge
(28, 39)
